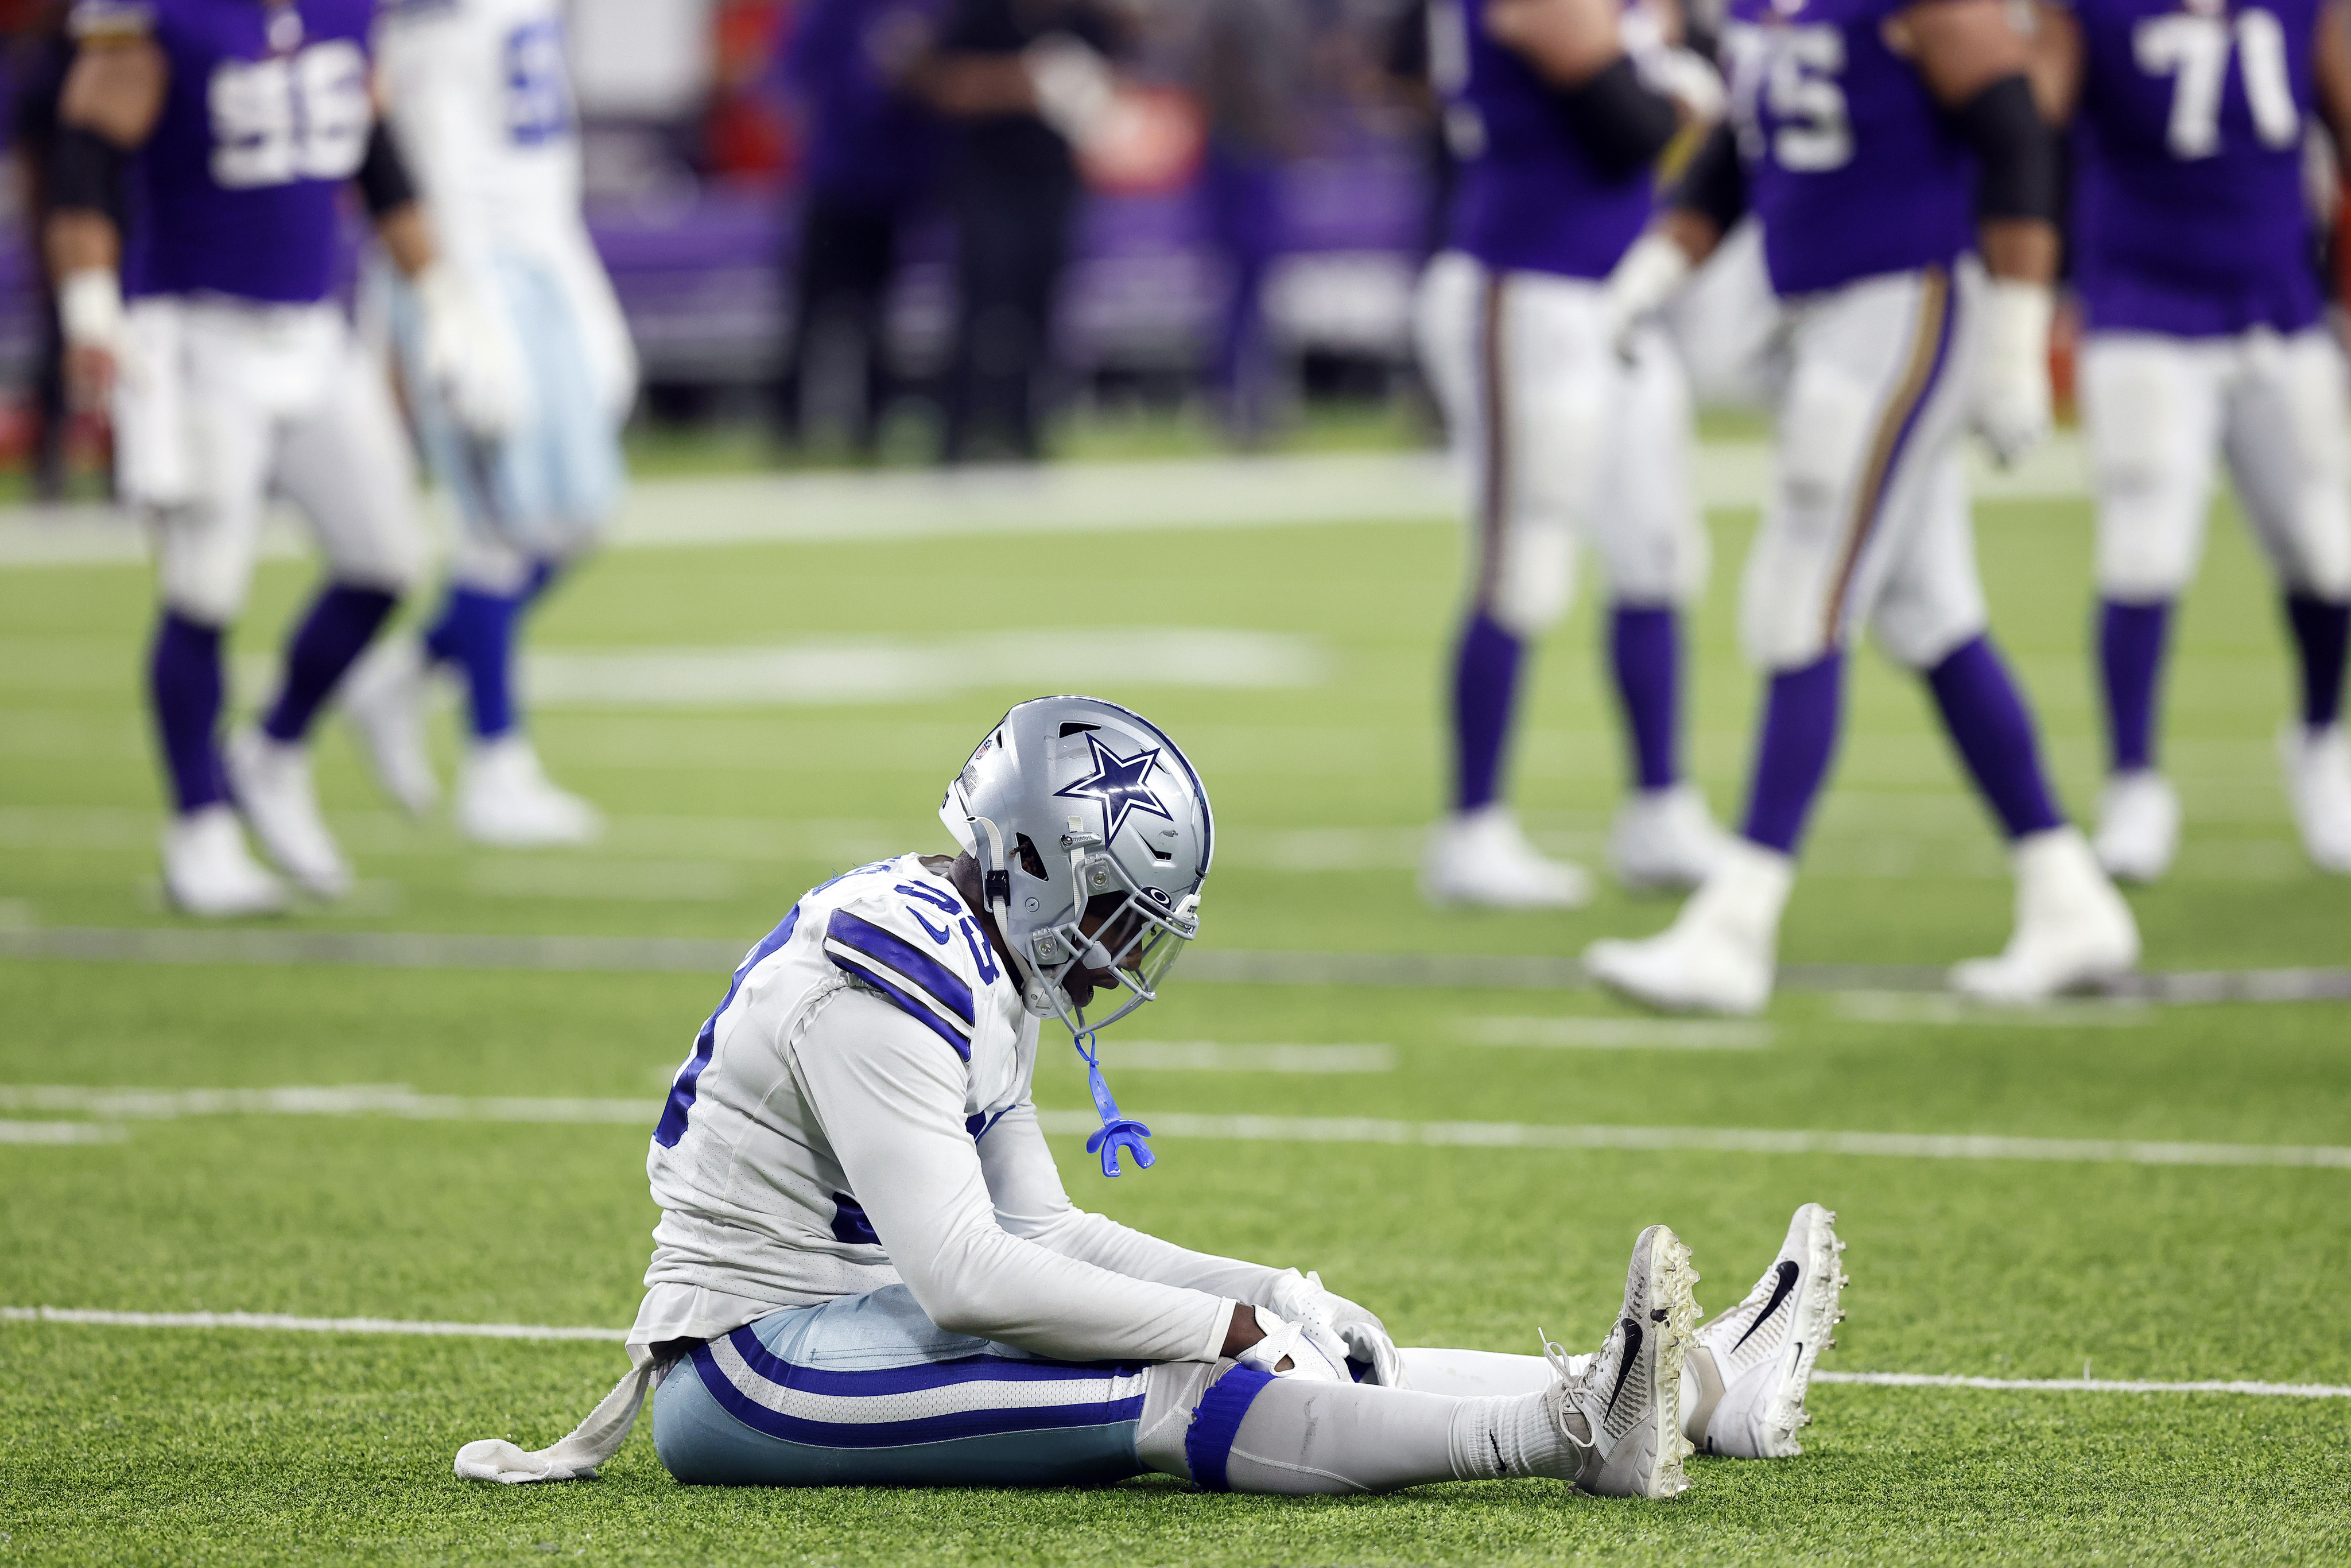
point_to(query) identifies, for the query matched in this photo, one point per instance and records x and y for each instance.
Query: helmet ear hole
(1024, 850)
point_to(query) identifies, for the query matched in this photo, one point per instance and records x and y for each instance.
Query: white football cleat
(504, 798)
(2318, 782)
(2138, 825)
(383, 697)
(1627, 1399)
(1481, 857)
(271, 781)
(1743, 1393)
(207, 870)
(2072, 929)
(1719, 954)
(1666, 839)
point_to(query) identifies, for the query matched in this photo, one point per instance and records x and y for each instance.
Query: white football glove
(90, 313)
(1315, 1353)
(1642, 281)
(1364, 1335)
(2011, 402)
(1683, 75)
(1073, 85)
(468, 355)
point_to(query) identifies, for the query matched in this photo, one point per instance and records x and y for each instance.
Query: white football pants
(1725, 325)
(1867, 522)
(219, 402)
(1561, 440)
(2158, 408)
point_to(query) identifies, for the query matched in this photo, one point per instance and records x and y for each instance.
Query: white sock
(1474, 1372)
(1508, 1438)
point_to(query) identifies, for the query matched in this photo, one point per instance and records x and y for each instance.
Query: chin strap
(1118, 1131)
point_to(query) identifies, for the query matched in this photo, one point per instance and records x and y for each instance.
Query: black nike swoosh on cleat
(1786, 1283)
(1625, 1362)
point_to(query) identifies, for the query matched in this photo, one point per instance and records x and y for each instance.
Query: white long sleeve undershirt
(984, 1235)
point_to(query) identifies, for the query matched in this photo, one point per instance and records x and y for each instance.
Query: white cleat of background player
(1719, 954)
(2138, 825)
(2072, 929)
(207, 870)
(1742, 1391)
(271, 781)
(1482, 857)
(1665, 839)
(2318, 783)
(504, 798)
(384, 698)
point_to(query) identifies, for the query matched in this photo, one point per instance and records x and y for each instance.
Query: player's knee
(2319, 559)
(2147, 546)
(1531, 580)
(1172, 1391)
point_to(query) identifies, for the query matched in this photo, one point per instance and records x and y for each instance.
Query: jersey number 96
(303, 116)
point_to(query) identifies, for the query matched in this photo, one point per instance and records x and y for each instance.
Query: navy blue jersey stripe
(869, 1382)
(889, 949)
(927, 1017)
(672, 1126)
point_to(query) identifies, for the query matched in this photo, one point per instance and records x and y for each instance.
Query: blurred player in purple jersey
(2195, 260)
(1883, 145)
(232, 373)
(1558, 110)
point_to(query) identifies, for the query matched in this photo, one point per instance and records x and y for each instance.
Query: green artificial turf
(129, 1444)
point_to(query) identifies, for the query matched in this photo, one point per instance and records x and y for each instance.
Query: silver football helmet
(1093, 837)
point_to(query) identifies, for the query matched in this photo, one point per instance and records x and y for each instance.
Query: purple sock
(2322, 632)
(1800, 734)
(183, 678)
(1645, 643)
(340, 625)
(2130, 658)
(1485, 683)
(1993, 729)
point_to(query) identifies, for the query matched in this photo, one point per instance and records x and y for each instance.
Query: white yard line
(2084, 1384)
(400, 1101)
(58, 1132)
(1617, 1034)
(284, 1324)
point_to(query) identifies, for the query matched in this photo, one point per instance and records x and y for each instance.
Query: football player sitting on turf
(1558, 109)
(867, 1271)
(480, 104)
(233, 371)
(2192, 246)
(1870, 137)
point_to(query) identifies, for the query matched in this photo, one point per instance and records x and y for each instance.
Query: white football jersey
(754, 1205)
(479, 96)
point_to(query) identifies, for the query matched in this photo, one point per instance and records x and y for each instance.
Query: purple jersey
(1530, 198)
(1851, 166)
(266, 117)
(2189, 216)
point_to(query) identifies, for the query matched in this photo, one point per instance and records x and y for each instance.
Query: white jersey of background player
(479, 97)
(867, 1270)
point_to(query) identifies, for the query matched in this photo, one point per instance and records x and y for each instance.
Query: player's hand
(468, 355)
(89, 311)
(1364, 1335)
(2011, 403)
(1642, 281)
(1297, 1347)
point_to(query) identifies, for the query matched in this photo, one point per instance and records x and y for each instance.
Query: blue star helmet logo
(1121, 784)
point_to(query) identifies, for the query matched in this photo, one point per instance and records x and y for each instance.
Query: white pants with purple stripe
(1866, 525)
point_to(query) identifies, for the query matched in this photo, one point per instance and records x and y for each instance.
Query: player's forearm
(407, 237)
(1106, 1244)
(981, 1280)
(82, 241)
(2020, 250)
